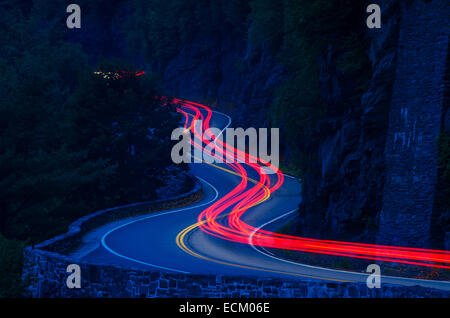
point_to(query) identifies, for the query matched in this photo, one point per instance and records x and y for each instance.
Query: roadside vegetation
(71, 142)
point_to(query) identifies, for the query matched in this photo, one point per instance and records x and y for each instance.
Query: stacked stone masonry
(414, 124)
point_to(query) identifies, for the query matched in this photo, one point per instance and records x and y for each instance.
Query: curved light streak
(235, 203)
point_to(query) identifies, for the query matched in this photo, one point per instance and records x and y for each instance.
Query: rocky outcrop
(236, 76)
(343, 194)
(377, 163)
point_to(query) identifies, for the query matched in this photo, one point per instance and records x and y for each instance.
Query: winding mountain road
(175, 241)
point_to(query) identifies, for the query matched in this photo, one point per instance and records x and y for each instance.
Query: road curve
(173, 241)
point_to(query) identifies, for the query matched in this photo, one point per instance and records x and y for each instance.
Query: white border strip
(109, 249)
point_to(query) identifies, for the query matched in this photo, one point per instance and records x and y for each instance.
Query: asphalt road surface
(170, 240)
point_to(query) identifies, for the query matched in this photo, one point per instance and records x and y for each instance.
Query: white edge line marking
(267, 253)
(164, 213)
(152, 216)
(228, 125)
(250, 240)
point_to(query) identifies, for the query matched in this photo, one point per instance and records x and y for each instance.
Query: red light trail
(241, 198)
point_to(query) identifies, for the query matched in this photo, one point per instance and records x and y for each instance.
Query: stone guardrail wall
(45, 272)
(415, 120)
(69, 241)
(48, 272)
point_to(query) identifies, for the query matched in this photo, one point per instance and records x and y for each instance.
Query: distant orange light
(119, 74)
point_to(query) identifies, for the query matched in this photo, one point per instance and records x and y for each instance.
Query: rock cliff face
(343, 197)
(378, 162)
(234, 75)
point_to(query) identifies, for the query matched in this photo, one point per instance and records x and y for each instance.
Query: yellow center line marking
(180, 239)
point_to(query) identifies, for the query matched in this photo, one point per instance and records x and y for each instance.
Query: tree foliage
(304, 35)
(71, 142)
(159, 29)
